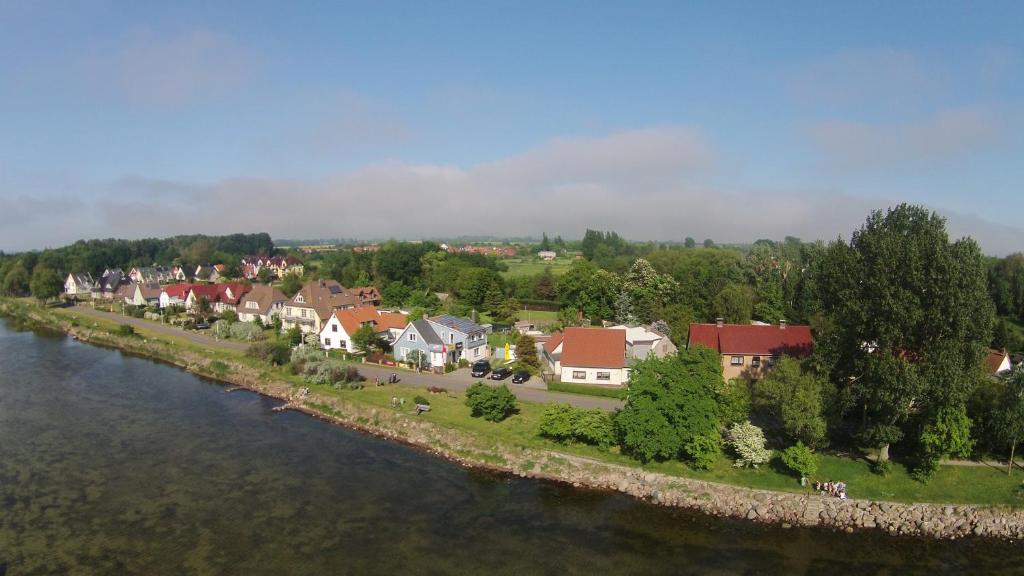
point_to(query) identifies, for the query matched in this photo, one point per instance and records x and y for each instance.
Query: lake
(111, 464)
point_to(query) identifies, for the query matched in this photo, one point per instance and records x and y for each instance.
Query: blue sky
(733, 121)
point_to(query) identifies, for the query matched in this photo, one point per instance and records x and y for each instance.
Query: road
(459, 380)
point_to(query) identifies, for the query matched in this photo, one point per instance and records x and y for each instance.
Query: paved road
(458, 380)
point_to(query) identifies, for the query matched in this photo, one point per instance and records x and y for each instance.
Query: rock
(751, 514)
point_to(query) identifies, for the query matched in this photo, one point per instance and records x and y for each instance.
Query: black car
(520, 377)
(501, 373)
(481, 368)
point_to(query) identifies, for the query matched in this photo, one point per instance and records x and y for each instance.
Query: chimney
(719, 322)
(782, 324)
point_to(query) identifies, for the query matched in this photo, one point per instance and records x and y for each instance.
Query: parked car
(481, 368)
(202, 325)
(501, 373)
(520, 377)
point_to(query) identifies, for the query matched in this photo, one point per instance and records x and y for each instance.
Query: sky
(659, 120)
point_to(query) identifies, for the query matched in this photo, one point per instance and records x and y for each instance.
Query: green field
(528, 267)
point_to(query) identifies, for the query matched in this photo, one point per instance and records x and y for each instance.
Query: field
(527, 267)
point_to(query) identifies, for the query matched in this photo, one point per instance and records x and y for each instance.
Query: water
(117, 465)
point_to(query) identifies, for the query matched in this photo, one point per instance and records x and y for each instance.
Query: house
(366, 295)
(343, 324)
(524, 326)
(77, 284)
(588, 356)
(748, 351)
(644, 341)
(313, 305)
(180, 274)
(209, 272)
(547, 255)
(175, 295)
(143, 294)
(263, 301)
(107, 285)
(221, 297)
(442, 340)
(997, 363)
(277, 265)
(150, 275)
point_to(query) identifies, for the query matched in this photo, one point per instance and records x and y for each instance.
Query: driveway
(458, 380)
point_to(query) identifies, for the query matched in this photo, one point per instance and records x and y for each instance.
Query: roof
(594, 347)
(426, 332)
(82, 278)
(994, 360)
(748, 339)
(324, 296)
(638, 334)
(552, 344)
(461, 324)
(231, 293)
(264, 295)
(178, 290)
(150, 291)
(353, 318)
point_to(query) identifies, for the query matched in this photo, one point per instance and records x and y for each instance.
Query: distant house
(77, 284)
(175, 295)
(143, 294)
(749, 351)
(313, 305)
(997, 362)
(343, 324)
(180, 274)
(221, 297)
(277, 266)
(443, 340)
(366, 295)
(209, 272)
(642, 342)
(263, 301)
(150, 275)
(109, 282)
(588, 356)
(547, 255)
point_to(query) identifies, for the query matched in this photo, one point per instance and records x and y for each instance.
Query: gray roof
(461, 324)
(427, 332)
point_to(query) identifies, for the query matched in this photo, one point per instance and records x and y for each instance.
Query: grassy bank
(602, 391)
(951, 484)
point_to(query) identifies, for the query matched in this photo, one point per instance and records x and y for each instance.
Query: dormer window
(299, 298)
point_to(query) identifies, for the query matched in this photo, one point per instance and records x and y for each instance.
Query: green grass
(588, 390)
(539, 317)
(529, 266)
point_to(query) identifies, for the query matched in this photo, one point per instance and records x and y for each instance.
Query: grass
(588, 390)
(951, 484)
(518, 267)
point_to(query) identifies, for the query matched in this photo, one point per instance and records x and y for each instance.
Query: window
(736, 361)
(772, 360)
(476, 351)
(604, 375)
(451, 338)
(412, 337)
(288, 311)
(403, 352)
(342, 344)
(755, 361)
(299, 298)
(252, 304)
(327, 342)
(579, 375)
(303, 312)
(334, 327)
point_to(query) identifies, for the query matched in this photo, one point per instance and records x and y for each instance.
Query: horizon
(656, 120)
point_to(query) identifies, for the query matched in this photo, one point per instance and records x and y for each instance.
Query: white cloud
(889, 76)
(645, 184)
(153, 69)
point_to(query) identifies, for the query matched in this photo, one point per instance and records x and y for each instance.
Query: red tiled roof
(994, 360)
(552, 343)
(594, 348)
(178, 290)
(353, 318)
(752, 339)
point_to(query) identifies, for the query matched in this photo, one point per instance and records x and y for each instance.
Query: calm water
(117, 465)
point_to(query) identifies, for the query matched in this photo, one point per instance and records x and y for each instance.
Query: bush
(221, 329)
(463, 363)
(567, 424)
(277, 352)
(246, 331)
(800, 459)
(702, 451)
(230, 316)
(493, 404)
(747, 441)
(420, 400)
(125, 330)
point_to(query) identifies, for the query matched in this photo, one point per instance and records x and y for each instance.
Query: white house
(338, 331)
(547, 255)
(78, 284)
(642, 342)
(588, 356)
(263, 301)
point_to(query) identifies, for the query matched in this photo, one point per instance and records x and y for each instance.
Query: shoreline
(784, 509)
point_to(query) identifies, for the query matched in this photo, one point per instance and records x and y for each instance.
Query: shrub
(567, 424)
(463, 363)
(747, 441)
(246, 331)
(800, 459)
(230, 316)
(420, 400)
(221, 329)
(702, 451)
(276, 352)
(493, 404)
(125, 330)
(557, 422)
(302, 356)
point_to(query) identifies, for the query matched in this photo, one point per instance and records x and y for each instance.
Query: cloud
(949, 135)
(645, 184)
(850, 77)
(168, 70)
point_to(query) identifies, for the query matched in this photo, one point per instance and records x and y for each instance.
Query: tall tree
(734, 304)
(46, 284)
(16, 281)
(1010, 418)
(545, 244)
(908, 320)
(795, 399)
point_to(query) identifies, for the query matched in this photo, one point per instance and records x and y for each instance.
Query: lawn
(603, 391)
(528, 267)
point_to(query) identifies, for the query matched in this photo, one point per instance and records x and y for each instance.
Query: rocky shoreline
(778, 508)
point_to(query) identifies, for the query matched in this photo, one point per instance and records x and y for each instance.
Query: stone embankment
(780, 508)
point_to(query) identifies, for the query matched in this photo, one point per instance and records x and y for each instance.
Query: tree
(494, 404)
(203, 308)
(800, 459)
(291, 284)
(16, 281)
(734, 304)
(526, 352)
(907, 321)
(366, 340)
(709, 243)
(748, 443)
(1010, 419)
(1001, 335)
(645, 290)
(45, 284)
(795, 399)
(545, 244)
(948, 433)
(690, 242)
(263, 276)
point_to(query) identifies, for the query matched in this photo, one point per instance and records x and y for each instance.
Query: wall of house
(403, 346)
(336, 340)
(753, 367)
(616, 376)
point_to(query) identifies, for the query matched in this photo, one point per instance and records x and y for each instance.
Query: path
(456, 381)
